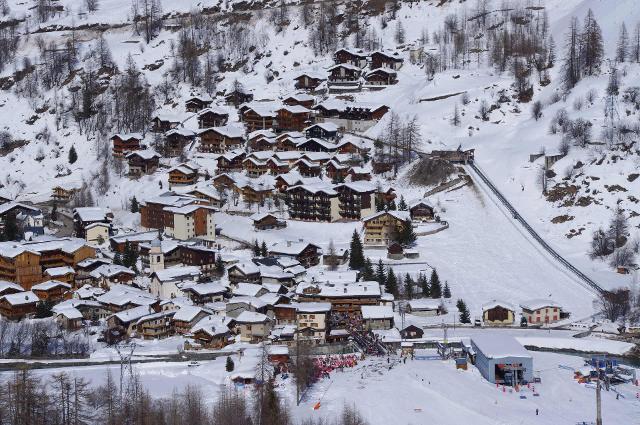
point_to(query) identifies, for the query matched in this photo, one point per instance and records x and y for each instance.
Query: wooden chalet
(255, 193)
(351, 57)
(300, 99)
(198, 103)
(243, 272)
(208, 194)
(308, 168)
(212, 117)
(381, 77)
(411, 332)
(277, 166)
(231, 161)
(186, 317)
(255, 167)
(204, 293)
(221, 139)
(238, 97)
(335, 171)
(52, 290)
(7, 288)
(309, 81)
(498, 313)
(212, 333)
(163, 122)
(142, 162)
(123, 143)
(421, 211)
(62, 194)
(385, 60)
(201, 256)
(156, 325)
(259, 115)
(323, 130)
(382, 227)
(64, 274)
(307, 254)
(18, 305)
(263, 143)
(176, 140)
(294, 118)
(183, 174)
(267, 221)
(350, 147)
(357, 199)
(359, 174)
(344, 74)
(224, 181)
(318, 202)
(287, 142)
(347, 298)
(317, 145)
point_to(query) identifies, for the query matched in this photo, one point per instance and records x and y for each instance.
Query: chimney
(345, 289)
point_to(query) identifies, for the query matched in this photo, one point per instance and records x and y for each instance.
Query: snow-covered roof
(133, 314)
(181, 131)
(59, 271)
(494, 345)
(128, 136)
(381, 70)
(251, 317)
(145, 154)
(359, 186)
(211, 325)
(19, 298)
(120, 295)
(318, 187)
(400, 215)
(376, 312)
(135, 237)
(49, 285)
(290, 248)
(245, 267)
(537, 304)
(270, 298)
(184, 169)
(295, 109)
(250, 301)
(247, 289)
(188, 313)
(262, 133)
(326, 126)
(424, 304)
(177, 273)
(70, 313)
(263, 109)
(495, 303)
(111, 270)
(208, 288)
(313, 74)
(231, 131)
(5, 285)
(188, 209)
(313, 307)
(88, 291)
(364, 288)
(52, 243)
(87, 214)
(8, 206)
(278, 350)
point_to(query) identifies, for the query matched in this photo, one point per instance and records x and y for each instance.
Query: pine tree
(367, 270)
(264, 251)
(446, 292)
(230, 365)
(11, 231)
(219, 265)
(256, 248)
(381, 276)
(622, 49)
(54, 212)
(434, 283)
(402, 205)
(590, 49)
(406, 236)
(391, 284)
(356, 254)
(408, 286)
(134, 205)
(464, 312)
(455, 119)
(572, 59)
(117, 259)
(73, 155)
(423, 283)
(391, 205)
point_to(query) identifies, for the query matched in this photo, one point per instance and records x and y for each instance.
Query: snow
(593, 345)
(19, 298)
(50, 284)
(251, 317)
(497, 346)
(312, 307)
(377, 312)
(537, 304)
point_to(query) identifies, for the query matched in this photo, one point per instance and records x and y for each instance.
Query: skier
(536, 411)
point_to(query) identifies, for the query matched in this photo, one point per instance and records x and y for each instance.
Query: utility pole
(598, 395)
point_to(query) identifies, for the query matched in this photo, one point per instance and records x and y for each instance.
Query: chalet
(542, 311)
(151, 211)
(381, 167)
(344, 74)
(300, 99)
(384, 60)
(28, 219)
(255, 167)
(69, 318)
(267, 221)
(64, 274)
(123, 143)
(7, 288)
(313, 316)
(83, 217)
(458, 156)
(209, 195)
(168, 283)
(203, 293)
(381, 77)
(261, 134)
(186, 318)
(323, 130)
(18, 305)
(200, 256)
(345, 297)
(123, 297)
(307, 254)
(350, 116)
(62, 194)
(255, 193)
(176, 140)
(51, 252)
(377, 317)
(277, 166)
(128, 319)
(351, 57)
(162, 122)
(231, 161)
(357, 199)
(142, 162)
(83, 273)
(308, 168)
(134, 239)
(189, 222)
(421, 211)
(317, 145)
(498, 313)
(212, 332)
(237, 305)
(263, 143)
(350, 147)
(380, 228)
(225, 181)
(309, 81)
(313, 202)
(198, 103)
(275, 279)
(259, 115)
(411, 332)
(212, 117)
(336, 171)
(243, 272)
(183, 174)
(244, 289)
(286, 180)
(395, 251)
(425, 307)
(237, 97)
(254, 327)
(52, 290)
(155, 326)
(294, 118)
(289, 141)
(221, 139)
(357, 174)
(108, 275)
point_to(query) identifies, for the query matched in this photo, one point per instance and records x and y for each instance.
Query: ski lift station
(502, 360)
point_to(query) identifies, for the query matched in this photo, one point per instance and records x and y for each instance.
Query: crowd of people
(326, 364)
